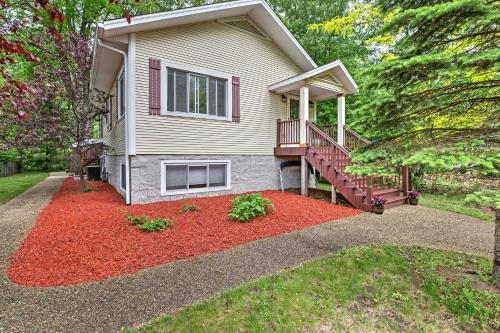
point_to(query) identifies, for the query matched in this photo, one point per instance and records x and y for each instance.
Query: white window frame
(119, 97)
(188, 163)
(200, 71)
(120, 180)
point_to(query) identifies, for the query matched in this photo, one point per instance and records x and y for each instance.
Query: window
(199, 93)
(121, 96)
(194, 176)
(123, 176)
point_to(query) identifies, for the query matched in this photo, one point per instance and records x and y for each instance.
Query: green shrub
(248, 206)
(136, 220)
(157, 224)
(190, 208)
(149, 225)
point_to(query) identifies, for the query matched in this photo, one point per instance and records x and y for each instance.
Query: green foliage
(156, 224)
(455, 204)
(484, 198)
(190, 208)
(248, 206)
(431, 101)
(136, 220)
(150, 224)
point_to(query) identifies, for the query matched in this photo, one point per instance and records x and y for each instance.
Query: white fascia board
(263, 15)
(179, 13)
(323, 69)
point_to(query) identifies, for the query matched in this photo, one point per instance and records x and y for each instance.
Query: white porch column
(303, 113)
(340, 119)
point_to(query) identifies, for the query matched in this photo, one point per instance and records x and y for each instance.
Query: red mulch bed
(82, 237)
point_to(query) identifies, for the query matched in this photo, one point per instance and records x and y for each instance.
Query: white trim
(300, 79)
(245, 18)
(131, 96)
(255, 9)
(163, 163)
(194, 70)
(128, 192)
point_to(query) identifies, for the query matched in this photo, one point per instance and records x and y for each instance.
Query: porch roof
(324, 82)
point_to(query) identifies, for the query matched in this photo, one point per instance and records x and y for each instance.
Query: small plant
(156, 224)
(378, 201)
(190, 208)
(248, 206)
(414, 194)
(90, 189)
(149, 225)
(135, 220)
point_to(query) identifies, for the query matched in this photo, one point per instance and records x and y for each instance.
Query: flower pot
(378, 209)
(413, 201)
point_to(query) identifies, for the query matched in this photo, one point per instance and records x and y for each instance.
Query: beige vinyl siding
(115, 139)
(316, 82)
(215, 46)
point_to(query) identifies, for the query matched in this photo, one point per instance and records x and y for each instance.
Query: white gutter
(127, 157)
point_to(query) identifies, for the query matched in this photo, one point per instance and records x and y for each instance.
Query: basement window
(179, 177)
(123, 176)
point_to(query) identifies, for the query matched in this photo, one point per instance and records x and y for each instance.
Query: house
(210, 100)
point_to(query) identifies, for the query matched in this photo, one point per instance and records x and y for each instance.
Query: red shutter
(236, 99)
(154, 86)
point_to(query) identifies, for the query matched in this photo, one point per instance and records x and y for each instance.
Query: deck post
(303, 114)
(304, 174)
(341, 120)
(334, 194)
(406, 180)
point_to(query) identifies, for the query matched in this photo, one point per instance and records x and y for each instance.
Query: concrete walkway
(134, 299)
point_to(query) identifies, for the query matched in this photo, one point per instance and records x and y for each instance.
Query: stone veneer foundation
(248, 173)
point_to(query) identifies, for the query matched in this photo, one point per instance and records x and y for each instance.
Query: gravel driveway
(137, 298)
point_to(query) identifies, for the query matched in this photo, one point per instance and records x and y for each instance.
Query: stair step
(395, 201)
(387, 193)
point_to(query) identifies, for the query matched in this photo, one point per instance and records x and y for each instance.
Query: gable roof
(257, 10)
(340, 80)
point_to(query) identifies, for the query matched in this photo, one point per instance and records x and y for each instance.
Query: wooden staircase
(331, 160)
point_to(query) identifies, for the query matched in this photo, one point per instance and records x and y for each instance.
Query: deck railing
(352, 139)
(288, 132)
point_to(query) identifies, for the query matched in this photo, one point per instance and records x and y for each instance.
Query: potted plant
(413, 197)
(378, 204)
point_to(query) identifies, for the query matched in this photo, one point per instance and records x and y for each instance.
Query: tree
(60, 36)
(492, 200)
(432, 98)
(15, 95)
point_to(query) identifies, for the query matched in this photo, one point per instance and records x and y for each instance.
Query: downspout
(127, 157)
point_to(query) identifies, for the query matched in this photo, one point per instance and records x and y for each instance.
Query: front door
(293, 107)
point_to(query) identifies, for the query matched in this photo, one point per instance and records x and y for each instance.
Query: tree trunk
(81, 167)
(496, 260)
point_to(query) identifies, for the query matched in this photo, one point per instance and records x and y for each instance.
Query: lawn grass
(453, 203)
(14, 185)
(383, 288)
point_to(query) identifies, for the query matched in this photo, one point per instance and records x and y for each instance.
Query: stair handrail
(326, 137)
(357, 135)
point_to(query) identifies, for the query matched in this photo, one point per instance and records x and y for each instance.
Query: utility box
(93, 172)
